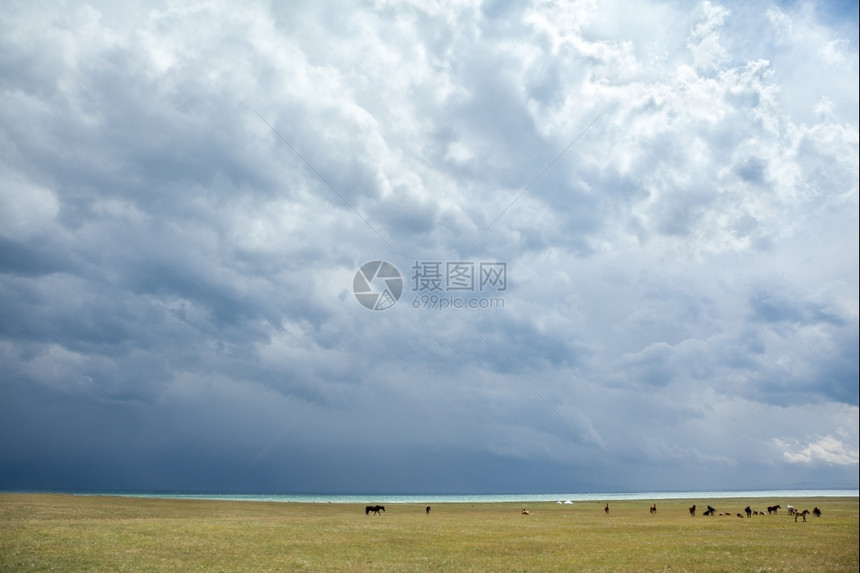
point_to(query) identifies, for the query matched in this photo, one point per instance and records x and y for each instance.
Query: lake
(492, 498)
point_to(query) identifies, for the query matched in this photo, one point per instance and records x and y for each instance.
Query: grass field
(40, 532)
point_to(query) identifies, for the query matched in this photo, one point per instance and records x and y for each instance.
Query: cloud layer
(187, 191)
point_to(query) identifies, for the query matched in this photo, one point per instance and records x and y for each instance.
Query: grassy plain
(40, 532)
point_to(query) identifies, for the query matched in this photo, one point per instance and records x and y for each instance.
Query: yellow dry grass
(40, 532)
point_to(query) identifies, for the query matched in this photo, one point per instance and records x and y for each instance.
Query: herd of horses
(771, 510)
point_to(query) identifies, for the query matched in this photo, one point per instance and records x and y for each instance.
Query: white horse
(791, 510)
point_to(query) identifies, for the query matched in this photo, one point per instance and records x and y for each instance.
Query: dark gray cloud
(186, 193)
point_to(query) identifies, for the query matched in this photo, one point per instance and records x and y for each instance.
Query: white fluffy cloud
(827, 450)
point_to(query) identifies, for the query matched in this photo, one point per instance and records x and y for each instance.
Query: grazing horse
(711, 511)
(692, 510)
(772, 509)
(653, 508)
(427, 510)
(374, 508)
(748, 511)
(802, 514)
(816, 512)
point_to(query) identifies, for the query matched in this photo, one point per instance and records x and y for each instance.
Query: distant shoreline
(465, 498)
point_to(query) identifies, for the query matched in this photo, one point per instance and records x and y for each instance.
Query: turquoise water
(786, 495)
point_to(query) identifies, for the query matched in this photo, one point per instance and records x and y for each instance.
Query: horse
(427, 510)
(525, 511)
(693, 510)
(802, 514)
(748, 511)
(816, 512)
(374, 508)
(653, 508)
(741, 515)
(790, 509)
(711, 511)
(772, 509)
(606, 509)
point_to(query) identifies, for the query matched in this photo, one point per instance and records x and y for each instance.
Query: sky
(429, 247)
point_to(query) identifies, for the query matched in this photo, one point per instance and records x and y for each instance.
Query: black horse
(748, 509)
(374, 508)
(711, 511)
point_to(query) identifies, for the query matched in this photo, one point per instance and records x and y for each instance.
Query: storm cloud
(188, 189)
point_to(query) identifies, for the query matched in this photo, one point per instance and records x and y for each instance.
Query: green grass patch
(40, 532)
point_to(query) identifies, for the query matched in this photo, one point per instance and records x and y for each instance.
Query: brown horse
(802, 514)
(772, 509)
(374, 508)
(653, 508)
(816, 512)
(692, 510)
